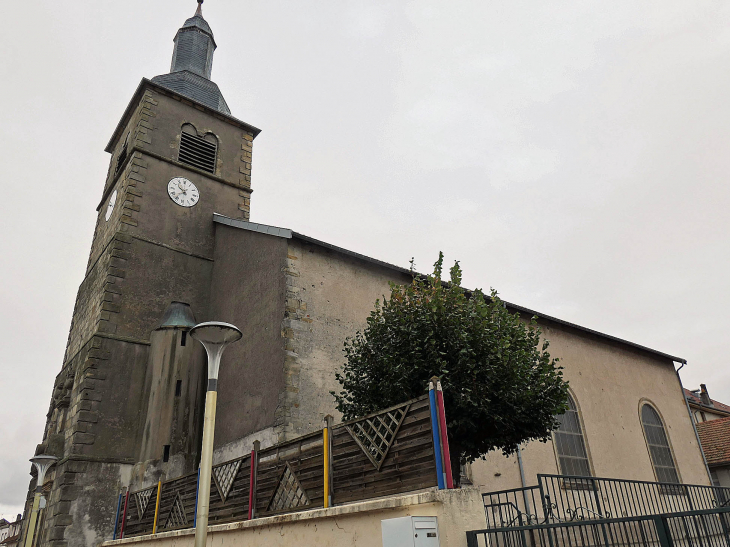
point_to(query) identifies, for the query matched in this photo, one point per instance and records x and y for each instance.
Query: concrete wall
(357, 524)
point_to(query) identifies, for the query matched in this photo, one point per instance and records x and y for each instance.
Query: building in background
(704, 408)
(713, 426)
(10, 532)
(174, 245)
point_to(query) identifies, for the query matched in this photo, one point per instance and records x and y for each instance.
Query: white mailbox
(410, 532)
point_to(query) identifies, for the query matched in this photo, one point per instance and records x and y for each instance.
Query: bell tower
(125, 405)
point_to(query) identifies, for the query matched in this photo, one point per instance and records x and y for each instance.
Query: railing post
(327, 453)
(253, 480)
(663, 532)
(471, 539)
(545, 507)
(597, 496)
(197, 491)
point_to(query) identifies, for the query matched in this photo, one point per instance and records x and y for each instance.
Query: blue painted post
(197, 489)
(116, 519)
(436, 437)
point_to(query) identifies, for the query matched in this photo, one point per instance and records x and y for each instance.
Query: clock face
(183, 192)
(110, 207)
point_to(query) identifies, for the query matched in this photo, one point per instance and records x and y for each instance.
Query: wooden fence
(389, 452)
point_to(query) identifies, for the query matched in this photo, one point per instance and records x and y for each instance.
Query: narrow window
(166, 453)
(570, 445)
(184, 338)
(178, 388)
(122, 155)
(198, 151)
(658, 442)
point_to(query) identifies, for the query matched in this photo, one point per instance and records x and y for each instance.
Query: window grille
(198, 151)
(658, 442)
(570, 444)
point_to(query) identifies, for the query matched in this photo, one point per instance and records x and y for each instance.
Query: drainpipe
(528, 510)
(692, 421)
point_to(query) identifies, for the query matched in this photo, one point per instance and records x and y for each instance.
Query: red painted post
(124, 515)
(444, 435)
(252, 480)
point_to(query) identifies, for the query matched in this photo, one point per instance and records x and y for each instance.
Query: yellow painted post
(157, 506)
(326, 443)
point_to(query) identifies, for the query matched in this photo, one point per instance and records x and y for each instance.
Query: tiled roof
(695, 399)
(715, 439)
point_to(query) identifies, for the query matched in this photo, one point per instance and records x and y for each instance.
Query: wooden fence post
(444, 435)
(157, 506)
(435, 432)
(124, 515)
(116, 519)
(327, 453)
(253, 480)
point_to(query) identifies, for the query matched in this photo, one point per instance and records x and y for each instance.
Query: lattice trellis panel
(376, 434)
(143, 499)
(223, 475)
(289, 494)
(176, 518)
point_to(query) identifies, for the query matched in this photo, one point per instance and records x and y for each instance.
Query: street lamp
(41, 463)
(214, 336)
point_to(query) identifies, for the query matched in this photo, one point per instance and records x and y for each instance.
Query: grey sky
(571, 154)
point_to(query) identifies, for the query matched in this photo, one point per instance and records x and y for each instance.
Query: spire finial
(199, 11)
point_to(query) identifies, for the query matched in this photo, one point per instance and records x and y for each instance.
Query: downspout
(692, 421)
(528, 510)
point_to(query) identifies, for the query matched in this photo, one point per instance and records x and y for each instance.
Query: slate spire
(192, 63)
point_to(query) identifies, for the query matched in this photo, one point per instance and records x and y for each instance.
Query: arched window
(570, 445)
(658, 443)
(198, 151)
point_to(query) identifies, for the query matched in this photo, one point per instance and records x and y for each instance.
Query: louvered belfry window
(198, 151)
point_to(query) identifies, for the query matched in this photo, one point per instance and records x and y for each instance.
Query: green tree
(501, 387)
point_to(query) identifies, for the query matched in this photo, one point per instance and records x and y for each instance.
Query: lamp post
(214, 336)
(41, 463)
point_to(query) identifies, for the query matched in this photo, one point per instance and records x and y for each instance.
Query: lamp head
(42, 463)
(215, 336)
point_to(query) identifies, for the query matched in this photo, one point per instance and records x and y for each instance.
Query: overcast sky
(571, 154)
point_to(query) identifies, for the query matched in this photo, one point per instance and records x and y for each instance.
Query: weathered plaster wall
(248, 290)
(329, 297)
(608, 382)
(357, 524)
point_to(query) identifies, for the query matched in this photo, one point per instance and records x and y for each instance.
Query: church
(174, 245)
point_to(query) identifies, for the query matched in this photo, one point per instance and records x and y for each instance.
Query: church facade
(174, 245)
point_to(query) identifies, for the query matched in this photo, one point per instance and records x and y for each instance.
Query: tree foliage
(501, 386)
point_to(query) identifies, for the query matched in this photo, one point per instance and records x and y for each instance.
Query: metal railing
(563, 498)
(702, 528)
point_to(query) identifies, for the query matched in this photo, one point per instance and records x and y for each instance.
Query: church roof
(290, 234)
(192, 64)
(194, 87)
(197, 21)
